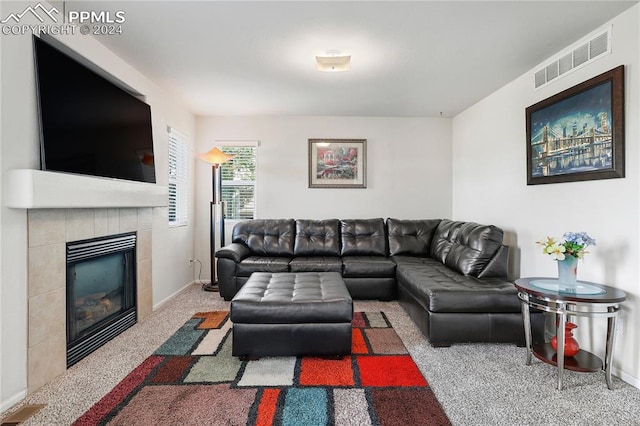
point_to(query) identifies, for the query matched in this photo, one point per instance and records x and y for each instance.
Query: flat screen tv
(89, 125)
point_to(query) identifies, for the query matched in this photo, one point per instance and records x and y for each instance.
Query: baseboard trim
(633, 381)
(172, 296)
(13, 400)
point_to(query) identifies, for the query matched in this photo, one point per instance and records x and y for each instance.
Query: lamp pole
(216, 158)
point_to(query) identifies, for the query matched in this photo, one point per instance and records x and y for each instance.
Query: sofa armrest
(498, 266)
(233, 251)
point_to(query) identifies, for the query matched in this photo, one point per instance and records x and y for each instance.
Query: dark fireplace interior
(101, 291)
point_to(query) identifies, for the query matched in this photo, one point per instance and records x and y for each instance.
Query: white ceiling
(409, 59)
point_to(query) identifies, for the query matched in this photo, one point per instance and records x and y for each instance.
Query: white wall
(408, 168)
(19, 149)
(489, 185)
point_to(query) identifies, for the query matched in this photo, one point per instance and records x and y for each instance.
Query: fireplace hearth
(101, 292)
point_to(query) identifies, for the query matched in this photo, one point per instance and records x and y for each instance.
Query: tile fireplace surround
(48, 232)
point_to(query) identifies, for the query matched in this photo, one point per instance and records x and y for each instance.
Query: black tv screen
(89, 125)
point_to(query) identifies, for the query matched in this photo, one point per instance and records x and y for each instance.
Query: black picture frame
(578, 134)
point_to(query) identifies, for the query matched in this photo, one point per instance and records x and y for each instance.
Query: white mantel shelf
(36, 189)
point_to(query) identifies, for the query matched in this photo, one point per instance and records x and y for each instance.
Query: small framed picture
(337, 163)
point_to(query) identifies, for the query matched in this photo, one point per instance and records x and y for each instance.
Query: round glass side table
(585, 299)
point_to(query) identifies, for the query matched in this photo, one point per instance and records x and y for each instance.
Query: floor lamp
(216, 158)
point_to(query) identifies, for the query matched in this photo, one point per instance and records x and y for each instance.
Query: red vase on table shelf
(571, 346)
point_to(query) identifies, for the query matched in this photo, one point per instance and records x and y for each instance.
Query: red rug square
(358, 320)
(358, 345)
(172, 370)
(388, 371)
(326, 372)
(267, 407)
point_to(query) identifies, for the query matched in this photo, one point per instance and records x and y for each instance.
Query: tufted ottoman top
(292, 298)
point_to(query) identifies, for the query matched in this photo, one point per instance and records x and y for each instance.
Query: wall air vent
(593, 47)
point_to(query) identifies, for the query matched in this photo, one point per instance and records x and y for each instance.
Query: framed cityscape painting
(337, 163)
(578, 134)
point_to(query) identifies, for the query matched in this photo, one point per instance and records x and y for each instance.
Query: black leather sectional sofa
(450, 276)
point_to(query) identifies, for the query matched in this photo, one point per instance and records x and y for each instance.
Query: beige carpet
(477, 384)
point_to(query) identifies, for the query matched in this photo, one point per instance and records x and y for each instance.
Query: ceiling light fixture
(333, 61)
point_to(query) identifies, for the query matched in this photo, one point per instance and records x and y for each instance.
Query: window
(178, 177)
(239, 181)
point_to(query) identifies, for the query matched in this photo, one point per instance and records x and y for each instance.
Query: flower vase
(571, 346)
(568, 271)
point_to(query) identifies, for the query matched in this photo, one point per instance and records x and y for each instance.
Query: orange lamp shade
(215, 156)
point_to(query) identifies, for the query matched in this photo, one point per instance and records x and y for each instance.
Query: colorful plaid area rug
(192, 379)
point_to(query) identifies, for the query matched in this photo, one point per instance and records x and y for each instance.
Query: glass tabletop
(583, 291)
(579, 288)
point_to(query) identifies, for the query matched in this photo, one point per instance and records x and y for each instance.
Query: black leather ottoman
(292, 314)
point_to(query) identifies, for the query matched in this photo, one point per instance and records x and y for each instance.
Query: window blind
(239, 182)
(178, 178)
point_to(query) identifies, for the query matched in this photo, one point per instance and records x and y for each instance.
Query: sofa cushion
(398, 260)
(317, 238)
(439, 289)
(266, 237)
(292, 299)
(316, 264)
(465, 247)
(363, 237)
(368, 267)
(262, 264)
(411, 237)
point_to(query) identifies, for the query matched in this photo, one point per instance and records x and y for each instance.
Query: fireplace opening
(101, 292)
